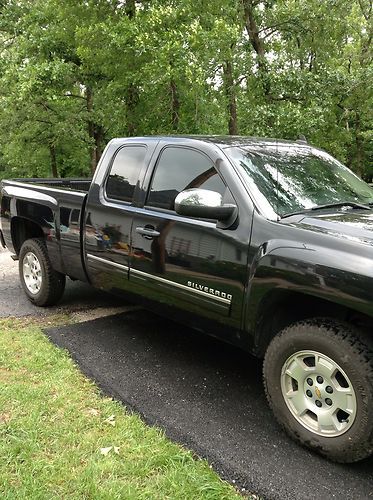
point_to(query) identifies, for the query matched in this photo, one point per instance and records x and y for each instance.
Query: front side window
(125, 173)
(179, 169)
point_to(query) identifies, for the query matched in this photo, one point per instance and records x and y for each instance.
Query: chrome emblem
(211, 291)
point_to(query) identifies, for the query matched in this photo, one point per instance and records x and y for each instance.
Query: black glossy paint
(56, 211)
(167, 260)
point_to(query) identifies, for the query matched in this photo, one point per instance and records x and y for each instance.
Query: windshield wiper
(339, 204)
(351, 204)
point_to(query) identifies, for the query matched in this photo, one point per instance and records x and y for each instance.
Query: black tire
(345, 346)
(52, 283)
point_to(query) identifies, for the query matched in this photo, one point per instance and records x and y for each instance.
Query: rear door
(109, 213)
(190, 264)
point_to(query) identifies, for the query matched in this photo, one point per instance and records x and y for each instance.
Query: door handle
(147, 232)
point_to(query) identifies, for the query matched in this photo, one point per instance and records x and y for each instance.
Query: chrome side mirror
(204, 204)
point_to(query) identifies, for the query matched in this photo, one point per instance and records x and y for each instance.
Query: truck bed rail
(80, 184)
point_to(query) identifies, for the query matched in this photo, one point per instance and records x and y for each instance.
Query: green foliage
(76, 73)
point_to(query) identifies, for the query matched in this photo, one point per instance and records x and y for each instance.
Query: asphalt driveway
(208, 396)
(203, 393)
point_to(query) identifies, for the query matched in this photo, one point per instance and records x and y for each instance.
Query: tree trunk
(301, 60)
(130, 8)
(312, 59)
(359, 157)
(132, 91)
(175, 106)
(99, 136)
(230, 91)
(253, 32)
(257, 43)
(91, 130)
(53, 156)
(131, 105)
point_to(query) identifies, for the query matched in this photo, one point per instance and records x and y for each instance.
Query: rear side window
(125, 172)
(179, 169)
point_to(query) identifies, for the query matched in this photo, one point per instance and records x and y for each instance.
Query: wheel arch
(281, 308)
(23, 229)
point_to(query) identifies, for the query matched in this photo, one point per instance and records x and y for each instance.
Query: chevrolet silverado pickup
(265, 244)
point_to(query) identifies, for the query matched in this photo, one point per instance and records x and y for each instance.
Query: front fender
(327, 274)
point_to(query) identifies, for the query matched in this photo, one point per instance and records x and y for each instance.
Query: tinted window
(180, 169)
(125, 172)
(293, 178)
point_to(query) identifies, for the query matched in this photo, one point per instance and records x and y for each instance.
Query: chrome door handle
(147, 232)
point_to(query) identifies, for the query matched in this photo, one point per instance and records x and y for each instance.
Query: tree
(78, 72)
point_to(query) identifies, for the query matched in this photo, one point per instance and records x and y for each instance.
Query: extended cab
(265, 244)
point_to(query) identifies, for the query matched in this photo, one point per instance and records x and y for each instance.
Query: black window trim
(107, 175)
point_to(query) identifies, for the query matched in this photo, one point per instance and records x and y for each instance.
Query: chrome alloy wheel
(32, 274)
(318, 393)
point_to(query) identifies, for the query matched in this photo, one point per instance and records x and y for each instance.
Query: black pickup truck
(265, 244)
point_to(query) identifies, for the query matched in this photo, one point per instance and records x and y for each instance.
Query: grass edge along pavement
(59, 437)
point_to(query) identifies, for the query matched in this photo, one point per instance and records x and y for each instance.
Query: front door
(191, 264)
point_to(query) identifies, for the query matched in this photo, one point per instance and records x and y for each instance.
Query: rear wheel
(42, 284)
(318, 377)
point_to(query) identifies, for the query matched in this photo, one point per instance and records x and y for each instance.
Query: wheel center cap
(318, 392)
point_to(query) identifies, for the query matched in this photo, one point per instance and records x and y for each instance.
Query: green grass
(53, 424)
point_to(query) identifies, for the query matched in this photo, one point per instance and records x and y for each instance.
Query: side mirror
(204, 204)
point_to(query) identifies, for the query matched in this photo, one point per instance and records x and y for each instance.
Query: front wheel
(42, 284)
(318, 376)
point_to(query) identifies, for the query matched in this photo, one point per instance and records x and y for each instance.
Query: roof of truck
(224, 141)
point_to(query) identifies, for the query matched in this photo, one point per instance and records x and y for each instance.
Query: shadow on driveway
(209, 397)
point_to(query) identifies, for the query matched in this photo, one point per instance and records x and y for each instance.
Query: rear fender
(29, 213)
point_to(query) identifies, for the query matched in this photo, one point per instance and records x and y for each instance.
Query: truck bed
(53, 205)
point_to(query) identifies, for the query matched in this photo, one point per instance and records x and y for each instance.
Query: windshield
(291, 178)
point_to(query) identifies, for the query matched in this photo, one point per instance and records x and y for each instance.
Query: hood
(356, 226)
